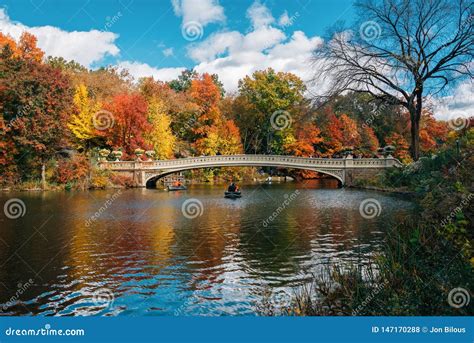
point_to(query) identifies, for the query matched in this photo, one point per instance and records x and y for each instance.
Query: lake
(150, 252)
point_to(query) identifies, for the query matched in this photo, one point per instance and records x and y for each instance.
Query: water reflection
(155, 261)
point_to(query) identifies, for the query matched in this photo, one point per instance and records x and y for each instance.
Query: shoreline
(276, 180)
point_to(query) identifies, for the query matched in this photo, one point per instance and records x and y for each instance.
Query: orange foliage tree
(401, 147)
(432, 132)
(26, 47)
(305, 141)
(129, 118)
(369, 142)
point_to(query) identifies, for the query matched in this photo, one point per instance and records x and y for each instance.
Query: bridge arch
(150, 180)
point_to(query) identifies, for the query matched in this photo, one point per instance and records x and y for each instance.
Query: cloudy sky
(160, 38)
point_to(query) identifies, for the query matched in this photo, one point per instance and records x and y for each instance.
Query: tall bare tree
(400, 51)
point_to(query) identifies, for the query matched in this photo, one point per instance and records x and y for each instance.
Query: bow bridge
(346, 170)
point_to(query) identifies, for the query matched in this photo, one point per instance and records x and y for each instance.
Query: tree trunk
(415, 116)
(43, 176)
(415, 139)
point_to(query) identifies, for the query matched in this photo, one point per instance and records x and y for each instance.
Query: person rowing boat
(233, 191)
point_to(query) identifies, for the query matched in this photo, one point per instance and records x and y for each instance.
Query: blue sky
(145, 35)
(160, 38)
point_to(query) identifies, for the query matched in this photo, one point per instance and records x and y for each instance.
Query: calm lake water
(134, 252)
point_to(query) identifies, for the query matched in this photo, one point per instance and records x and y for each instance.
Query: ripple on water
(151, 260)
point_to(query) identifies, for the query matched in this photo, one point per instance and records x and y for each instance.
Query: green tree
(271, 101)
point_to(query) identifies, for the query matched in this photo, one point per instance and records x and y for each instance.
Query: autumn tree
(333, 136)
(160, 137)
(400, 51)
(350, 136)
(368, 141)
(267, 96)
(304, 143)
(179, 106)
(81, 122)
(26, 48)
(8, 169)
(401, 147)
(35, 99)
(183, 82)
(206, 95)
(130, 123)
(432, 132)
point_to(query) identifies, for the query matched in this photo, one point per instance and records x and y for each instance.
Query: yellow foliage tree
(81, 123)
(161, 137)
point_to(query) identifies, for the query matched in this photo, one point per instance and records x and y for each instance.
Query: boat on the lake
(177, 188)
(232, 195)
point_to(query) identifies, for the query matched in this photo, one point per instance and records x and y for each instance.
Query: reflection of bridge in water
(346, 170)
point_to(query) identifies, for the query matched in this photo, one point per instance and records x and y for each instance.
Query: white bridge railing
(252, 160)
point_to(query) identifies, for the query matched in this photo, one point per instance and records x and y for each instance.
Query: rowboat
(233, 195)
(177, 188)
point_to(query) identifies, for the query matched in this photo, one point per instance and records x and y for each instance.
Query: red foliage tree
(35, 100)
(129, 112)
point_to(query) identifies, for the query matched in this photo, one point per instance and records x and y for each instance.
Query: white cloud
(233, 55)
(289, 55)
(458, 105)
(85, 47)
(138, 70)
(217, 44)
(259, 15)
(201, 11)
